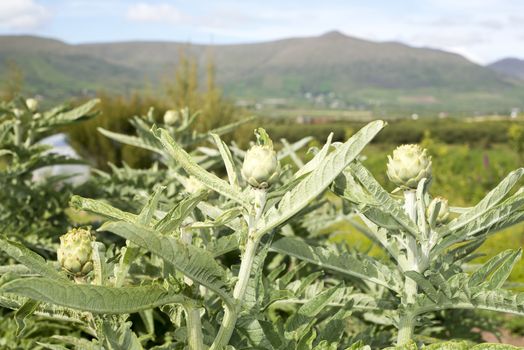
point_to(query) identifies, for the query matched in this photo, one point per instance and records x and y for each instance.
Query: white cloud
(22, 14)
(163, 12)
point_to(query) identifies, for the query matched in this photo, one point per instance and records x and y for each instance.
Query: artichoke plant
(221, 271)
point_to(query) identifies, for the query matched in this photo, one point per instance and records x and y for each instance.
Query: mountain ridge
(357, 71)
(510, 66)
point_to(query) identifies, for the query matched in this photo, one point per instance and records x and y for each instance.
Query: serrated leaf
(314, 306)
(216, 213)
(275, 338)
(221, 130)
(121, 338)
(488, 267)
(316, 160)
(318, 180)
(148, 211)
(174, 218)
(196, 263)
(95, 299)
(100, 270)
(22, 313)
(101, 208)
(383, 199)
(501, 274)
(224, 245)
(32, 260)
(361, 267)
(503, 215)
(489, 201)
(150, 143)
(425, 285)
(209, 180)
(464, 250)
(232, 171)
(291, 149)
(63, 118)
(291, 153)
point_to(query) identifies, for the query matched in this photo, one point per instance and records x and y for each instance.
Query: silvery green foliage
(173, 261)
(432, 255)
(24, 201)
(181, 129)
(212, 261)
(128, 188)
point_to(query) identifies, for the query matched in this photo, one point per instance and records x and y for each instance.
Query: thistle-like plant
(27, 205)
(186, 240)
(213, 262)
(428, 251)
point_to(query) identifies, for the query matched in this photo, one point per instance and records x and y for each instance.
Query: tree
(516, 139)
(14, 83)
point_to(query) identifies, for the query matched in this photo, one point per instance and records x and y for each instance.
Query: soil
(505, 337)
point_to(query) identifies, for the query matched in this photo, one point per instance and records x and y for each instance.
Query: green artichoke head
(442, 216)
(261, 168)
(171, 117)
(32, 104)
(408, 165)
(75, 252)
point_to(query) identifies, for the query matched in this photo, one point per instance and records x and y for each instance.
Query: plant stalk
(230, 316)
(19, 132)
(194, 328)
(407, 321)
(246, 265)
(405, 330)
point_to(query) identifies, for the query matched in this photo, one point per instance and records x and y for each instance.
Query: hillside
(56, 70)
(357, 72)
(512, 67)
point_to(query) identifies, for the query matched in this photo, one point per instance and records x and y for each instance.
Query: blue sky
(481, 30)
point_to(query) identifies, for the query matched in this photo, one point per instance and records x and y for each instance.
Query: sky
(481, 30)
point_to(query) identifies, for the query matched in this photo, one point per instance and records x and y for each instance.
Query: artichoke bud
(32, 104)
(261, 167)
(171, 117)
(442, 216)
(75, 252)
(408, 165)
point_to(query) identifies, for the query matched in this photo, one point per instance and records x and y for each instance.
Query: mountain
(56, 70)
(512, 67)
(358, 72)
